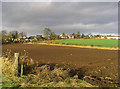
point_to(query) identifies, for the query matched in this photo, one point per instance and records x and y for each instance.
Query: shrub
(91, 45)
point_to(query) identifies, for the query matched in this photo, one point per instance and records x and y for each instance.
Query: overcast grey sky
(67, 17)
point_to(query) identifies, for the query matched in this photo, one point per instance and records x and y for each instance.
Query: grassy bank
(88, 42)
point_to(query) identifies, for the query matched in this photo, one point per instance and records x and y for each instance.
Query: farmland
(97, 67)
(88, 42)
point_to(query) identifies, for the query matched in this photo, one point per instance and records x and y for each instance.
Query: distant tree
(87, 36)
(78, 34)
(63, 34)
(74, 35)
(57, 36)
(90, 34)
(83, 36)
(52, 36)
(39, 37)
(4, 35)
(10, 37)
(22, 34)
(98, 35)
(15, 34)
(47, 32)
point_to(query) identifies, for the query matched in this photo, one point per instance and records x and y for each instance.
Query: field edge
(104, 48)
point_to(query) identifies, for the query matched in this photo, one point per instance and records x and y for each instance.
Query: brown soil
(100, 66)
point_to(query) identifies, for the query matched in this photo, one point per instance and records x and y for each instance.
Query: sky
(67, 17)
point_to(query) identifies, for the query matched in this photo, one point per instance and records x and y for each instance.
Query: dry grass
(41, 76)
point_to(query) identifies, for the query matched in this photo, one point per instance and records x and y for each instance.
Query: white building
(102, 37)
(114, 37)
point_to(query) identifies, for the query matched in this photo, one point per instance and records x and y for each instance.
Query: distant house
(113, 37)
(71, 37)
(32, 38)
(39, 37)
(16, 40)
(90, 35)
(22, 37)
(62, 36)
(102, 37)
(66, 36)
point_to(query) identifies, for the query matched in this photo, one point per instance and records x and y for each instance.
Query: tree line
(52, 36)
(10, 36)
(48, 35)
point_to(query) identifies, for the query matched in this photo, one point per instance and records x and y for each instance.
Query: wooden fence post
(22, 68)
(16, 56)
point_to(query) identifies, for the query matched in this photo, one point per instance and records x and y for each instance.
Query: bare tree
(4, 35)
(15, 34)
(63, 34)
(22, 34)
(9, 37)
(47, 32)
(52, 36)
(73, 34)
(78, 34)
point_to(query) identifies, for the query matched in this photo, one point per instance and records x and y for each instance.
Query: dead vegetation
(39, 75)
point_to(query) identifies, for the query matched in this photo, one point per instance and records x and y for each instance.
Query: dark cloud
(86, 17)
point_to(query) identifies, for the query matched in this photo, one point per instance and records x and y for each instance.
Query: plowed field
(101, 66)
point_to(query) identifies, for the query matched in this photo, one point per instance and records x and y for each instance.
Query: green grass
(6, 83)
(89, 42)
